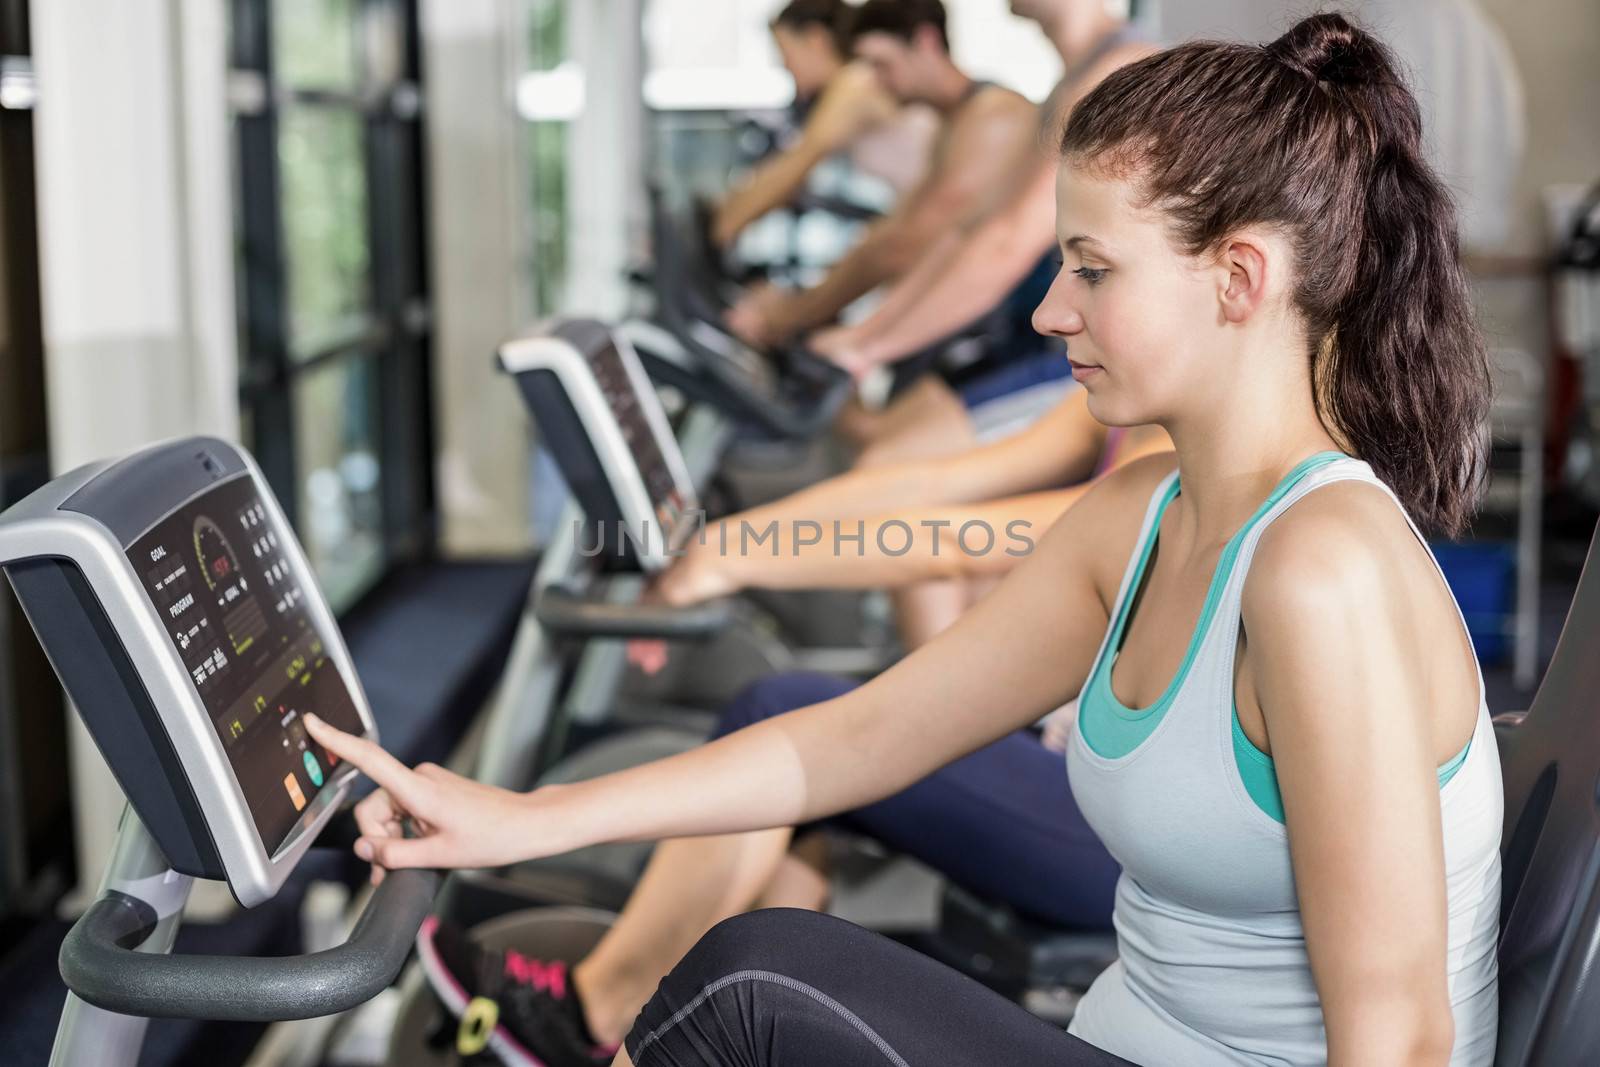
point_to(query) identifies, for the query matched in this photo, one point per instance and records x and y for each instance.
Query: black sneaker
(518, 1008)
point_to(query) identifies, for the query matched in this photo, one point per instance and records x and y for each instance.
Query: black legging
(783, 988)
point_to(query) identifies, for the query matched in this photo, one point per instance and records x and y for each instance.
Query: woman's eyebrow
(1074, 242)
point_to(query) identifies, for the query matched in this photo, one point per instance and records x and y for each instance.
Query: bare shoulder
(857, 87)
(1066, 95)
(1103, 526)
(1112, 61)
(1133, 483)
(1131, 52)
(1344, 548)
(1343, 608)
(855, 76)
(853, 99)
(996, 103)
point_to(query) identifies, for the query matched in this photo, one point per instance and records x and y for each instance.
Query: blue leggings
(1000, 822)
(1024, 372)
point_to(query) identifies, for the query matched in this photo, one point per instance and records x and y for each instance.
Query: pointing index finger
(369, 758)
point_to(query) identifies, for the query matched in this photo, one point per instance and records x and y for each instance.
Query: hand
(830, 341)
(1058, 726)
(700, 574)
(752, 318)
(722, 232)
(456, 822)
(649, 654)
(693, 578)
(844, 347)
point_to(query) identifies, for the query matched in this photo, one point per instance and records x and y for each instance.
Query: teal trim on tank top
(1260, 776)
(1113, 729)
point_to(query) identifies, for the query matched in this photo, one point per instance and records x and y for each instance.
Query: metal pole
(92, 1037)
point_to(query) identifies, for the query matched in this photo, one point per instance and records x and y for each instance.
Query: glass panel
(339, 475)
(326, 254)
(547, 33)
(547, 167)
(314, 44)
(546, 161)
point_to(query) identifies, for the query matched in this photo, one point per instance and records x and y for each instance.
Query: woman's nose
(1055, 316)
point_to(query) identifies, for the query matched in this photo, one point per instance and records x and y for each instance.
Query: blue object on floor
(1483, 577)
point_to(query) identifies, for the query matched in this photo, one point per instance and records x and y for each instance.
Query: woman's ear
(1249, 264)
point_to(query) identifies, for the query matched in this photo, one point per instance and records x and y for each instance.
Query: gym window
(36, 830)
(549, 97)
(333, 302)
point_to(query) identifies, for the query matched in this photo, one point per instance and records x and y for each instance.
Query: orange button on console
(295, 796)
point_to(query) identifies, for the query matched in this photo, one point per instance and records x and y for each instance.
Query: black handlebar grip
(100, 964)
(567, 613)
(830, 385)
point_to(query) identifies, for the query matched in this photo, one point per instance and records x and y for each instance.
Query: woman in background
(846, 109)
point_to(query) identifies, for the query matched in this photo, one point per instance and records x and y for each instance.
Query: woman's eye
(1092, 275)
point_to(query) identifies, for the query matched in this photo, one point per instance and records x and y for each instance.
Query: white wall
(1460, 71)
(1557, 48)
(136, 244)
(1553, 45)
(480, 197)
(731, 38)
(990, 42)
(135, 228)
(605, 161)
(470, 61)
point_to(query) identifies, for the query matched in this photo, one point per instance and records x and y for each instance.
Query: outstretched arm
(993, 257)
(980, 158)
(1059, 448)
(1038, 630)
(761, 547)
(884, 551)
(962, 284)
(790, 549)
(851, 105)
(905, 292)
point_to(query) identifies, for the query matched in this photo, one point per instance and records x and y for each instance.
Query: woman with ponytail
(1281, 734)
(846, 110)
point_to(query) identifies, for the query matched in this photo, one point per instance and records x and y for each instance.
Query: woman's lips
(1082, 371)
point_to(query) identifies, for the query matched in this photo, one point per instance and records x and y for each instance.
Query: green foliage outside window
(546, 145)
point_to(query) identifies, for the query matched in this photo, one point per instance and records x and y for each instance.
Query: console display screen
(617, 385)
(234, 607)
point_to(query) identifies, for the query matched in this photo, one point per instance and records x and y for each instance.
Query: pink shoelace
(544, 977)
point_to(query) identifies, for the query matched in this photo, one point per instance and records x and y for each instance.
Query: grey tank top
(1212, 966)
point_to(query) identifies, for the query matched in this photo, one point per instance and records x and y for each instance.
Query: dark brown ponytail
(1318, 134)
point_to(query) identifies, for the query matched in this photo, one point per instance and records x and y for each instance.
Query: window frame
(396, 333)
(38, 847)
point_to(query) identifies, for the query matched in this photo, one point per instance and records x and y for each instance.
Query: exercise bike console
(183, 620)
(601, 420)
(174, 603)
